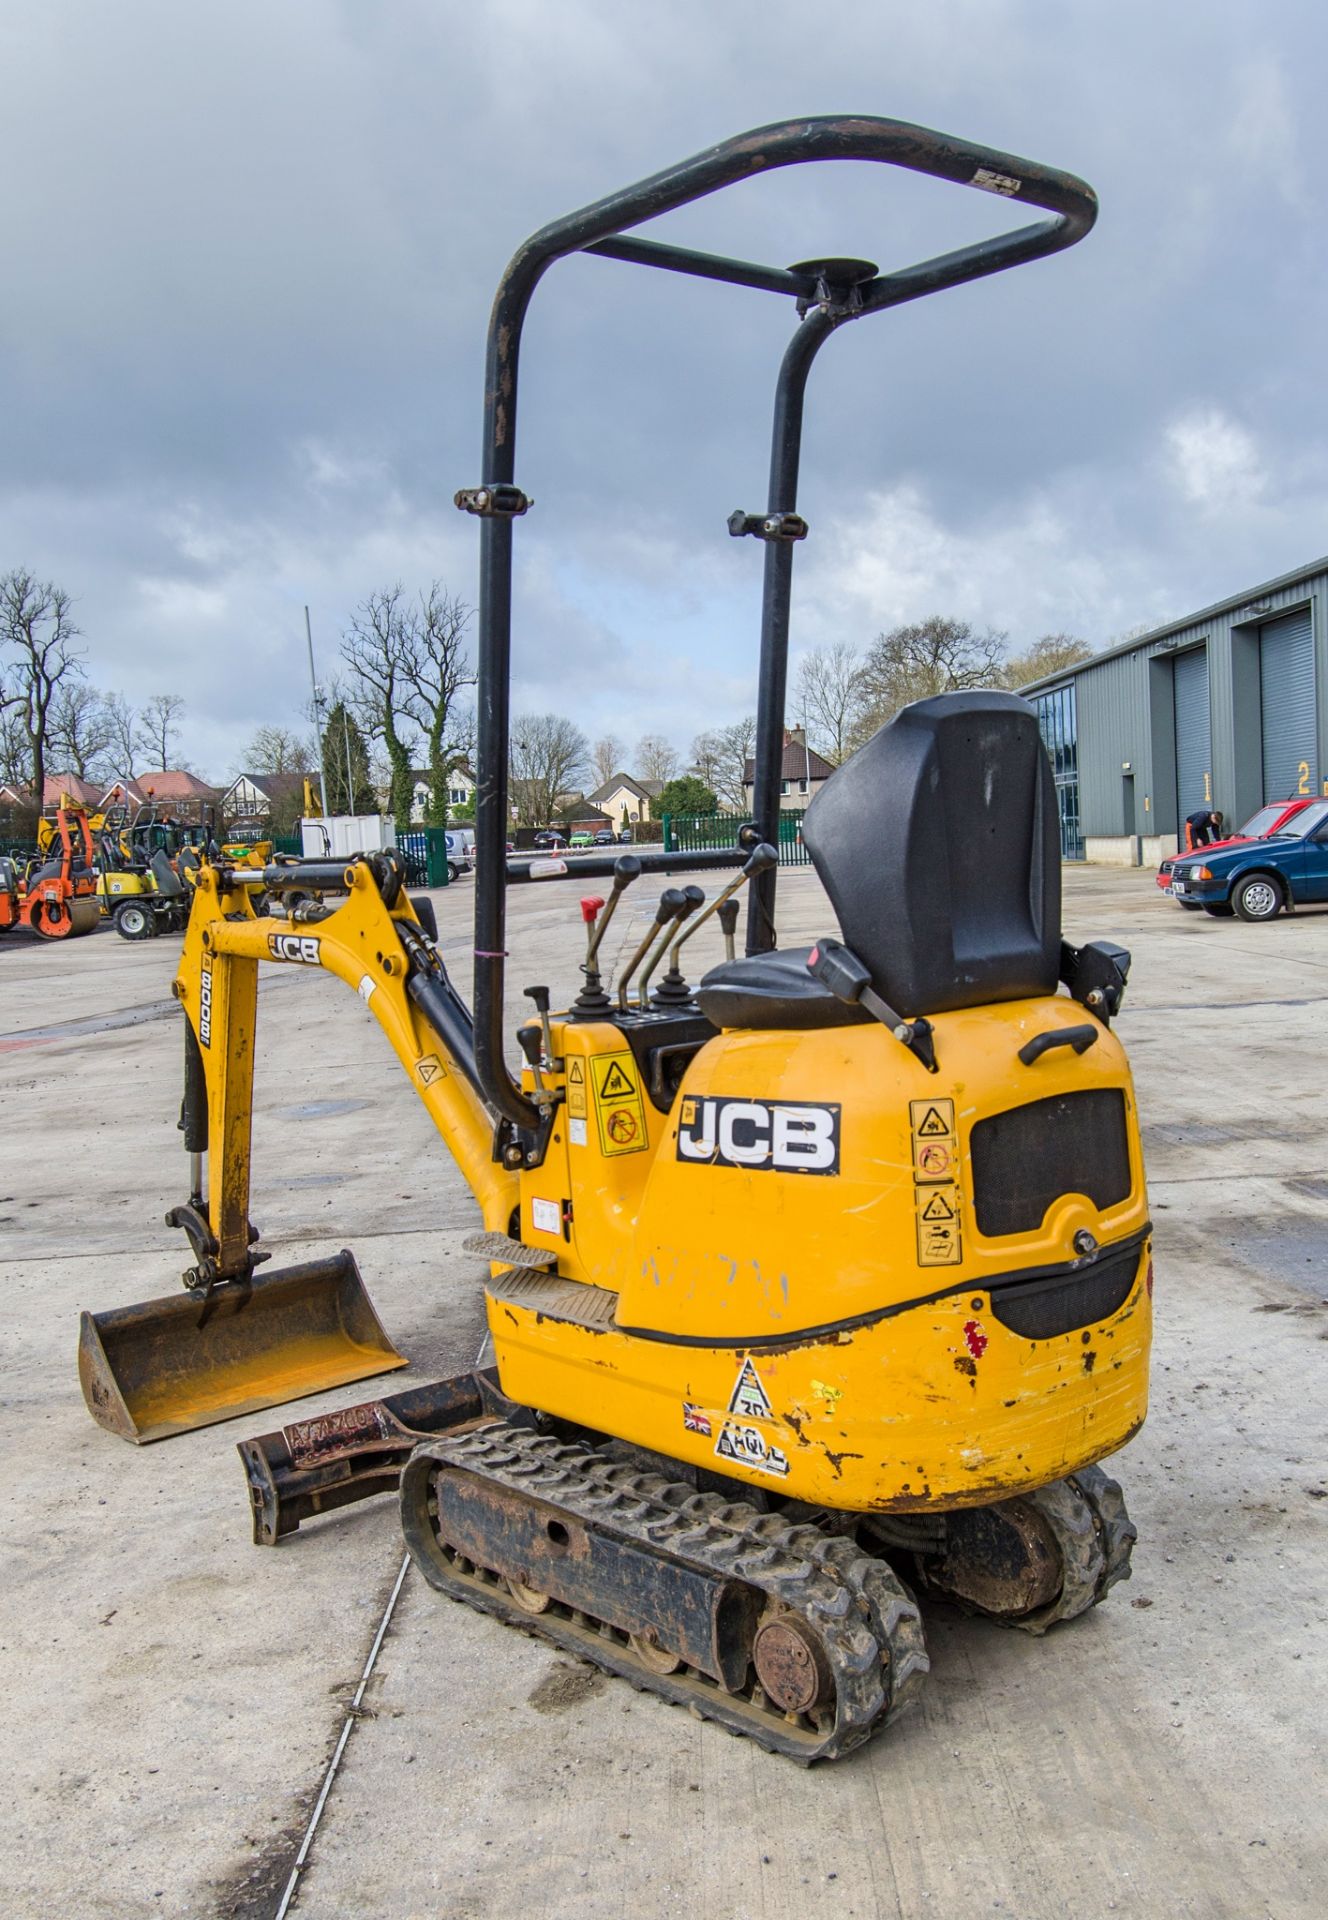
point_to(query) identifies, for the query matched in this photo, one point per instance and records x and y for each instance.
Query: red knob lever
(590, 907)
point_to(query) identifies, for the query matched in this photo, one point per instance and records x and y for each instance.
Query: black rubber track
(864, 1618)
(1094, 1536)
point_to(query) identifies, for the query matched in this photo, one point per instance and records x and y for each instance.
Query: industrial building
(1226, 709)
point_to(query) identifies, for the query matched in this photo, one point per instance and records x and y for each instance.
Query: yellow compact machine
(816, 1283)
(146, 867)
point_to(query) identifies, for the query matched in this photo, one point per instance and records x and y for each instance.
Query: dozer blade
(167, 1366)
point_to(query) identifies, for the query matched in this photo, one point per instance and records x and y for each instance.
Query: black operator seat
(938, 843)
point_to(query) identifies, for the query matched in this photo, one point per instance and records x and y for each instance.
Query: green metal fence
(424, 850)
(694, 832)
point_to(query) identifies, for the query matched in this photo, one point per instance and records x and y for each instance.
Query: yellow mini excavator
(816, 1283)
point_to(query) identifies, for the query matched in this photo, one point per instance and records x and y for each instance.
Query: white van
(460, 851)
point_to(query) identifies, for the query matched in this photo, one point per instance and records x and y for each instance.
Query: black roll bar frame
(825, 302)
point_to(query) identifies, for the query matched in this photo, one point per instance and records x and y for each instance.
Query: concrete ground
(173, 1694)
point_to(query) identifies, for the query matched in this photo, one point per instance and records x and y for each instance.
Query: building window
(802, 786)
(1058, 723)
(783, 786)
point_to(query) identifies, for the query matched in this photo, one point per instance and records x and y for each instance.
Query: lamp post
(318, 714)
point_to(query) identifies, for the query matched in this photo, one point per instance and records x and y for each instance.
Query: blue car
(1257, 879)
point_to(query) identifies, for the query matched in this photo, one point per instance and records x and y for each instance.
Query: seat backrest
(169, 884)
(939, 846)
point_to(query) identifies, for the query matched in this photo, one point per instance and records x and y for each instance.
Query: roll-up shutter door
(1193, 764)
(1286, 685)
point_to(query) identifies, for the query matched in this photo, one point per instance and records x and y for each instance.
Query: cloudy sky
(249, 251)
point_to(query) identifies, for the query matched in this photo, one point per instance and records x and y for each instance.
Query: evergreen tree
(340, 733)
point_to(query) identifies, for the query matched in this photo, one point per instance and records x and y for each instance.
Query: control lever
(760, 860)
(590, 911)
(839, 968)
(540, 995)
(728, 924)
(592, 997)
(693, 897)
(532, 1046)
(671, 904)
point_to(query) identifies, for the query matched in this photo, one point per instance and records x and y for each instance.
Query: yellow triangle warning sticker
(616, 1085)
(938, 1208)
(931, 1124)
(575, 1073)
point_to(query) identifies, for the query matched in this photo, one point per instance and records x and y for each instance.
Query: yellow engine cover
(125, 886)
(834, 1274)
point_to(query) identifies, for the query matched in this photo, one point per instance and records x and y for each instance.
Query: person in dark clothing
(1202, 829)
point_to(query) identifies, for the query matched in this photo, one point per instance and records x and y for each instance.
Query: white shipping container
(338, 837)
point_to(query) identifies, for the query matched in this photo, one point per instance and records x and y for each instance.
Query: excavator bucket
(167, 1366)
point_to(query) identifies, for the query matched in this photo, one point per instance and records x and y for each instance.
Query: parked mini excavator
(823, 1280)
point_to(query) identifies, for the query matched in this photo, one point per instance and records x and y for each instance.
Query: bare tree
(81, 730)
(721, 757)
(37, 653)
(278, 750)
(1051, 654)
(934, 656)
(830, 699)
(123, 722)
(606, 758)
(376, 647)
(656, 759)
(546, 754)
(436, 667)
(158, 724)
(13, 747)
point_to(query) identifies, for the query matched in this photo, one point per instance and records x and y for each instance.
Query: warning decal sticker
(576, 1088)
(939, 1243)
(614, 1084)
(935, 1171)
(620, 1112)
(749, 1398)
(430, 1069)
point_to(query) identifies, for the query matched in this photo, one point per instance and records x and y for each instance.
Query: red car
(1267, 820)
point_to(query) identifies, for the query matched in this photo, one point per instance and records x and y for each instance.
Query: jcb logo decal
(205, 1005)
(294, 946)
(774, 1136)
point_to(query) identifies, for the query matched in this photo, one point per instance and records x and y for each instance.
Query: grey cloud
(251, 253)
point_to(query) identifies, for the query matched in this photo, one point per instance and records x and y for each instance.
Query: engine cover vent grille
(1026, 1158)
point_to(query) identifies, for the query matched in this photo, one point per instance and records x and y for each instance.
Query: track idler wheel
(791, 1665)
(1033, 1561)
